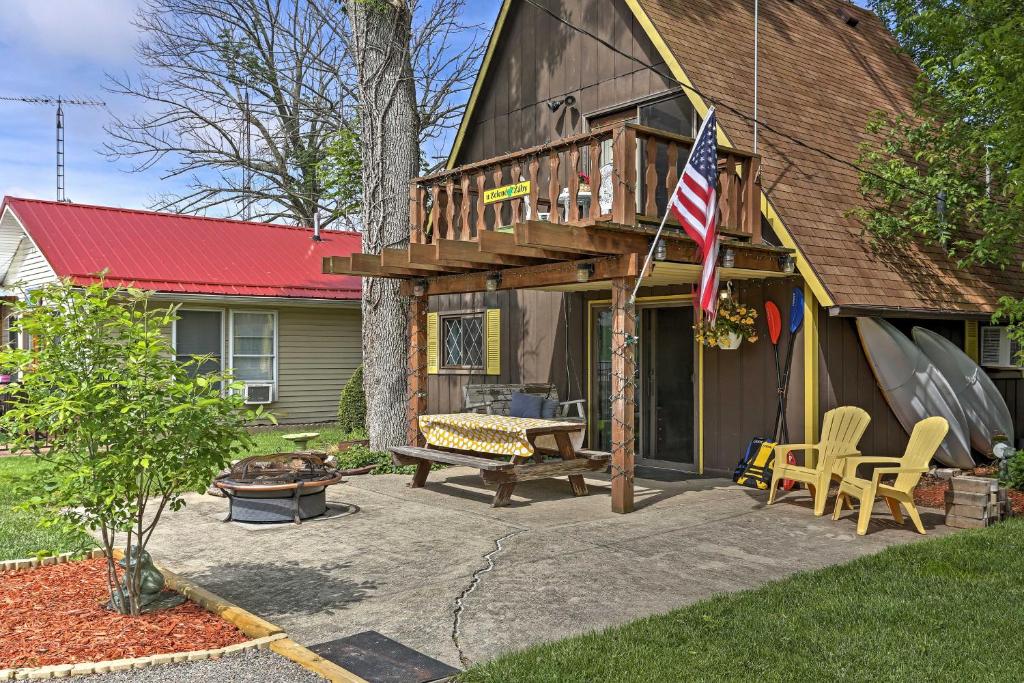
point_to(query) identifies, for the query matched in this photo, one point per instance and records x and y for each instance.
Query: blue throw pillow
(550, 409)
(526, 405)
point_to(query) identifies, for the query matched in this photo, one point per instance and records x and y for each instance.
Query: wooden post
(752, 199)
(624, 171)
(623, 364)
(417, 370)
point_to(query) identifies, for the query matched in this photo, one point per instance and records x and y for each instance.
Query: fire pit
(282, 487)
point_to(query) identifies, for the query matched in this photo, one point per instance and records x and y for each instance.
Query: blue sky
(51, 47)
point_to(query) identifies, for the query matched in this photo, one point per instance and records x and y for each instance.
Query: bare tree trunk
(381, 33)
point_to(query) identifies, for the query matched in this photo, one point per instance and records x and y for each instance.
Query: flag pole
(650, 255)
(657, 235)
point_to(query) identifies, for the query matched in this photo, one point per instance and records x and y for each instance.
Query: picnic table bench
(502, 462)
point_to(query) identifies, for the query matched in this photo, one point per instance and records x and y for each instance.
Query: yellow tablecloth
(495, 434)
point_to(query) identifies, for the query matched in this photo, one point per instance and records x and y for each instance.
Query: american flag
(694, 204)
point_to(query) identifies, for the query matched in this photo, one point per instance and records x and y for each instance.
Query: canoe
(983, 405)
(914, 388)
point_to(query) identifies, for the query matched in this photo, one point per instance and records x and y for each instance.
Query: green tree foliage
(341, 171)
(352, 407)
(128, 430)
(951, 173)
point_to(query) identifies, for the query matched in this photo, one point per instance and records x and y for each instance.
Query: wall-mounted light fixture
(788, 263)
(493, 281)
(660, 250)
(568, 101)
(729, 258)
(584, 272)
(419, 287)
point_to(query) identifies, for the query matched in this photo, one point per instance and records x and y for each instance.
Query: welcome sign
(506, 192)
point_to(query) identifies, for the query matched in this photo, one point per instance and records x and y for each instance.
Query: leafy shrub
(1015, 471)
(352, 406)
(129, 429)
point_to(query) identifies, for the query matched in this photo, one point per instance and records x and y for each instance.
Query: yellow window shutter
(493, 321)
(971, 339)
(432, 344)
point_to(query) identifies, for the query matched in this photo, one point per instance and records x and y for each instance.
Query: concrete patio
(399, 558)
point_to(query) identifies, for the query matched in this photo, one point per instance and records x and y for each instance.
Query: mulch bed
(55, 615)
(932, 490)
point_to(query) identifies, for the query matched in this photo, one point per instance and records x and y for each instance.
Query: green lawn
(20, 534)
(270, 440)
(947, 609)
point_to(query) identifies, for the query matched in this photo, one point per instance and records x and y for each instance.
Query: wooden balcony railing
(621, 174)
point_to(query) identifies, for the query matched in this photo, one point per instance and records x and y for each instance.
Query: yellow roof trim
(803, 265)
(492, 44)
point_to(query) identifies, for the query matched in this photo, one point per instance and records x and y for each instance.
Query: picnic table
(503, 448)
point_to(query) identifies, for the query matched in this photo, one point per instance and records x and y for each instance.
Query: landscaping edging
(264, 634)
(36, 562)
(252, 625)
(112, 665)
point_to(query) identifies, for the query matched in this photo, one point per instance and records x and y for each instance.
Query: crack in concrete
(473, 584)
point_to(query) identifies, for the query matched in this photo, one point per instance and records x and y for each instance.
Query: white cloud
(98, 31)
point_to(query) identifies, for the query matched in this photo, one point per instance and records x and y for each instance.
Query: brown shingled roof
(820, 81)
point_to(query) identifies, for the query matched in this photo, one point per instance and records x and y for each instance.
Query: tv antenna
(59, 102)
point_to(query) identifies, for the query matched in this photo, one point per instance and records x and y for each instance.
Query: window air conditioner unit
(997, 349)
(259, 394)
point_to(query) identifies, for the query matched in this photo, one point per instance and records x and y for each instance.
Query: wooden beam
(417, 369)
(504, 243)
(336, 265)
(427, 254)
(623, 394)
(395, 258)
(598, 240)
(461, 250)
(543, 275)
(369, 265)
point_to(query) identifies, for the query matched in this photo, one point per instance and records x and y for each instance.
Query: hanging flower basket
(735, 322)
(730, 342)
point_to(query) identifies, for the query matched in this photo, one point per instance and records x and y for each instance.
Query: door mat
(379, 659)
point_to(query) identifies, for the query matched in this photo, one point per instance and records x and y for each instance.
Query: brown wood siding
(740, 387)
(1012, 389)
(538, 59)
(533, 345)
(845, 377)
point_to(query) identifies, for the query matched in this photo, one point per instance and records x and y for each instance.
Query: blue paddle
(796, 319)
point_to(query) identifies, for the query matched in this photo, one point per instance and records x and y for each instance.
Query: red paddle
(774, 319)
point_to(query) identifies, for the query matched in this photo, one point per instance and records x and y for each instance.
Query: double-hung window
(199, 333)
(254, 346)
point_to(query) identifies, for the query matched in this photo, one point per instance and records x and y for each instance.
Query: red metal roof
(169, 252)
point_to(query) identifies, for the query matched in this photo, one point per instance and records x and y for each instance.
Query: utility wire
(718, 103)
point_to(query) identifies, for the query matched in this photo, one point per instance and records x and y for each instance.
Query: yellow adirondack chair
(841, 430)
(924, 441)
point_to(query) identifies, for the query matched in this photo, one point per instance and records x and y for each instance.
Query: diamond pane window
(463, 341)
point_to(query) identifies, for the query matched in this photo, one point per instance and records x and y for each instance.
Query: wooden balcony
(545, 216)
(619, 175)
